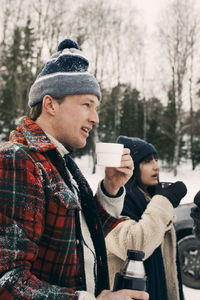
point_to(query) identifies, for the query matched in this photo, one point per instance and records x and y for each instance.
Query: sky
(150, 9)
(157, 77)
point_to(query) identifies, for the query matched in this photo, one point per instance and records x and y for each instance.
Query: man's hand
(117, 177)
(123, 295)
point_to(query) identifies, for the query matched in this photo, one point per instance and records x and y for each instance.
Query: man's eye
(86, 104)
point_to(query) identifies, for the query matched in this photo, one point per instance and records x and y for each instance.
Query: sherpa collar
(62, 150)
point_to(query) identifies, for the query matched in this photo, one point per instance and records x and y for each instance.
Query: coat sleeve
(146, 234)
(113, 205)
(22, 212)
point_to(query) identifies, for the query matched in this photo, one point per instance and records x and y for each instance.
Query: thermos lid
(135, 254)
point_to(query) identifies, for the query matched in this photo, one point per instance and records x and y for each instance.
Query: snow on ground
(185, 174)
(191, 294)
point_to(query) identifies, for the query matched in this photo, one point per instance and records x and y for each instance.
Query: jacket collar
(62, 150)
(28, 132)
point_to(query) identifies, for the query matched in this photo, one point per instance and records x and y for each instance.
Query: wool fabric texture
(174, 192)
(197, 199)
(139, 148)
(42, 247)
(195, 214)
(66, 73)
(94, 224)
(135, 205)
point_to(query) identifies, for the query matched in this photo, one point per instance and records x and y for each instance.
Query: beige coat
(155, 228)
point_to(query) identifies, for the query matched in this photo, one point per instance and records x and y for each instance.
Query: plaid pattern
(40, 255)
(107, 221)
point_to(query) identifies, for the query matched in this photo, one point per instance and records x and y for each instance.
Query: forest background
(150, 82)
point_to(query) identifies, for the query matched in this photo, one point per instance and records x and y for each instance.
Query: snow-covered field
(185, 174)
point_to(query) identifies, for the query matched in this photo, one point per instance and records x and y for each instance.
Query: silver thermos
(132, 274)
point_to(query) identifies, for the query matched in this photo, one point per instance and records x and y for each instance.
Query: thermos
(132, 274)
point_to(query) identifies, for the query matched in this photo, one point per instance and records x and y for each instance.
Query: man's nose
(94, 118)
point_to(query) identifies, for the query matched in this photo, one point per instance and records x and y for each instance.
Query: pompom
(67, 43)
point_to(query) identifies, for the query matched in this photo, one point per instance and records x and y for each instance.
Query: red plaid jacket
(40, 257)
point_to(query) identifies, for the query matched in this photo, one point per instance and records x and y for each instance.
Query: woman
(151, 228)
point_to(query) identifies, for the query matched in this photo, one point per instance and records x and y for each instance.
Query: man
(52, 243)
(195, 214)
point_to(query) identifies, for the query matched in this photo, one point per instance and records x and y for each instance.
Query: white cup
(109, 154)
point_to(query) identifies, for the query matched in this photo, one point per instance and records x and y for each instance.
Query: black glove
(195, 214)
(174, 192)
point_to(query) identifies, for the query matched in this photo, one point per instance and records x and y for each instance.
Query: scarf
(134, 206)
(93, 222)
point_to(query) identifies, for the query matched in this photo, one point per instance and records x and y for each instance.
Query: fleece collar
(61, 149)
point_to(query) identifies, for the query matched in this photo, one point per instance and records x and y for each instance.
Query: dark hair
(136, 177)
(36, 110)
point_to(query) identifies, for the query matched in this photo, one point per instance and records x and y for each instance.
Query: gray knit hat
(139, 148)
(66, 73)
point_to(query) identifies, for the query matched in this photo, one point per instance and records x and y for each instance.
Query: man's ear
(49, 105)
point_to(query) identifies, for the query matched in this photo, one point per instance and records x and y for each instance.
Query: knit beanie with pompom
(66, 73)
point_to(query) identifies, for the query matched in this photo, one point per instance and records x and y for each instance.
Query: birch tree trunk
(175, 35)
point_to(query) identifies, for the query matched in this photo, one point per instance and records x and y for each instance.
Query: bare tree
(10, 17)
(48, 20)
(90, 27)
(175, 36)
(193, 43)
(105, 30)
(108, 34)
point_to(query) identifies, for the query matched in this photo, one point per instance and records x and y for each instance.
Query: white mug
(109, 154)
